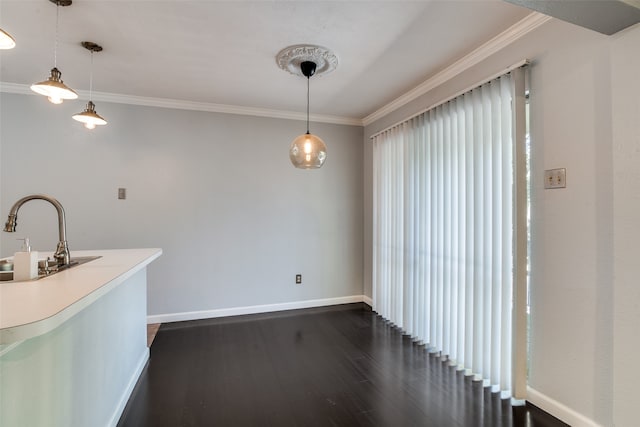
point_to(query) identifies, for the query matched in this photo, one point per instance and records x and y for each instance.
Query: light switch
(122, 193)
(555, 178)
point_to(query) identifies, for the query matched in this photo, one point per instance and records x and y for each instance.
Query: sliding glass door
(450, 230)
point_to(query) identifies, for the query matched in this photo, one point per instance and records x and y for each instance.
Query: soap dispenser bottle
(25, 263)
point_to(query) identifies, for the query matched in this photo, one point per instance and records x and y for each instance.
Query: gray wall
(215, 191)
(625, 72)
(584, 117)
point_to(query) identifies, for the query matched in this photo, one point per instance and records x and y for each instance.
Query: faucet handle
(47, 266)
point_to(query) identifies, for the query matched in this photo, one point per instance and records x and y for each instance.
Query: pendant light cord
(91, 79)
(55, 46)
(308, 78)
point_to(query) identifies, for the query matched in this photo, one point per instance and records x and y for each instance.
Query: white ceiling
(223, 52)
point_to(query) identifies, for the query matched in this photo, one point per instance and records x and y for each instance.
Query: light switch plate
(122, 193)
(555, 178)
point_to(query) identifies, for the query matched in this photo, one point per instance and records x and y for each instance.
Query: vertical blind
(443, 241)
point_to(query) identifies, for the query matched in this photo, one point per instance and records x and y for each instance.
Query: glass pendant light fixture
(89, 117)
(308, 151)
(54, 88)
(6, 41)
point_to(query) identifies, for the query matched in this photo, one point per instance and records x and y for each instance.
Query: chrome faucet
(61, 256)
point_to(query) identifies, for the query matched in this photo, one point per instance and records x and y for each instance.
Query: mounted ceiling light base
(89, 117)
(307, 151)
(54, 88)
(290, 59)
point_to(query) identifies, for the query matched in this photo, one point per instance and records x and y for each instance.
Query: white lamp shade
(89, 117)
(54, 88)
(6, 41)
(308, 151)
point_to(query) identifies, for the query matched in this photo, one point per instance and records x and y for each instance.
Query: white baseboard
(253, 309)
(117, 413)
(559, 410)
(367, 300)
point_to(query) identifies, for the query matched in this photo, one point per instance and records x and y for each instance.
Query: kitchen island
(72, 345)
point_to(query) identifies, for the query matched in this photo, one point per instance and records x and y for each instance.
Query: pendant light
(308, 151)
(6, 41)
(54, 88)
(89, 116)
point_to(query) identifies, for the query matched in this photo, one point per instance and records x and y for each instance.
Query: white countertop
(35, 307)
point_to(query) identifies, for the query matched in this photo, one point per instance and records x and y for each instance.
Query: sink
(6, 267)
(45, 270)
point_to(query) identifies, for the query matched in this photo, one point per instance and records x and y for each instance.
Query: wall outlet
(298, 279)
(555, 178)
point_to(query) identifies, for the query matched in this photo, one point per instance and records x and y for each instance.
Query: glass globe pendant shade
(308, 152)
(89, 117)
(6, 41)
(54, 88)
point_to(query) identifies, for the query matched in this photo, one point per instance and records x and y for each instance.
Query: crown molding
(191, 105)
(502, 40)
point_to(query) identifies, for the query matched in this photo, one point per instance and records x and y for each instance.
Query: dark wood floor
(336, 366)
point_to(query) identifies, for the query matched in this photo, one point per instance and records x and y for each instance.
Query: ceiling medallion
(290, 58)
